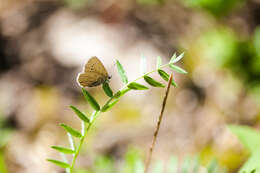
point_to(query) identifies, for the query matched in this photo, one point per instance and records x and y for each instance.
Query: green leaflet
(70, 130)
(153, 82)
(143, 65)
(174, 59)
(63, 150)
(136, 86)
(121, 72)
(158, 62)
(121, 93)
(59, 163)
(81, 115)
(107, 89)
(93, 103)
(177, 69)
(165, 76)
(108, 106)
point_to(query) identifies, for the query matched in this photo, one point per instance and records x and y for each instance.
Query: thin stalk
(95, 115)
(158, 126)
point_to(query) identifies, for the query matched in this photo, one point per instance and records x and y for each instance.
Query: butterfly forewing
(95, 65)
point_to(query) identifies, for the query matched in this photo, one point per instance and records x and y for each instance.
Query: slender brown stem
(158, 126)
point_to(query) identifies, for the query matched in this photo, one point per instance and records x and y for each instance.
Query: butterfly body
(94, 73)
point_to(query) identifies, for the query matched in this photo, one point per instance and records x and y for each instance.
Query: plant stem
(158, 126)
(96, 113)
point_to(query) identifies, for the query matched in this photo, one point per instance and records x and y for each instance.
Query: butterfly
(94, 73)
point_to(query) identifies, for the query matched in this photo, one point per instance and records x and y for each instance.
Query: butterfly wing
(94, 73)
(90, 79)
(95, 65)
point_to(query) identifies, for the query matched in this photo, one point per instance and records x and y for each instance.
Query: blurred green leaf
(165, 76)
(175, 59)
(63, 150)
(107, 89)
(153, 82)
(173, 165)
(137, 86)
(108, 106)
(59, 163)
(3, 168)
(81, 115)
(70, 130)
(159, 62)
(177, 69)
(139, 167)
(249, 137)
(158, 167)
(90, 100)
(143, 65)
(213, 166)
(121, 72)
(252, 164)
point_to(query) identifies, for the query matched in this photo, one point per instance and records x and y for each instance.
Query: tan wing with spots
(95, 65)
(90, 79)
(94, 73)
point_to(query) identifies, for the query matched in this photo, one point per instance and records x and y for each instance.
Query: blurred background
(44, 44)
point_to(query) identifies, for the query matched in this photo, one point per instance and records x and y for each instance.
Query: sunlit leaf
(121, 93)
(121, 72)
(153, 82)
(109, 105)
(174, 56)
(213, 166)
(136, 86)
(165, 76)
(59, 163)
(107, 89)
(177, 69)
(252, 164)
(143, 65)
(249, 137)
(174, 60)
(159, 62)
(93, 103)
(70, 130)
(81, 115)
(63, 150)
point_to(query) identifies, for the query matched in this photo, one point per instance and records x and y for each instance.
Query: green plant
(87, 122)
(250, 138)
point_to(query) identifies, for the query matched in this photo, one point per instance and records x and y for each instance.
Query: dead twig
(158, 126)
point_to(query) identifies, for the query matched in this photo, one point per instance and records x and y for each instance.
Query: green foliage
(121, 72)
(215, 7)
(143, 65)
(108, 106)
(63, 150)
(70, 130)
(166, 76)
(251, 140)
(81, 115)
(247, 136)
(153, 82)
(59, 163)
(93, 103)
(137, 86)
(107, 89)
(88, 122)
(158, 62)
